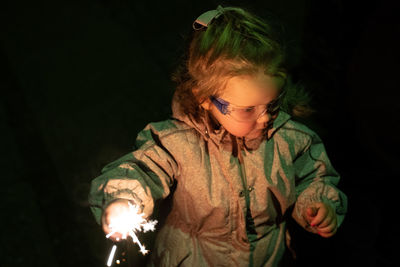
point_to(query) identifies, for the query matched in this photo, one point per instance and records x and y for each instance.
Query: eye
(249, 109)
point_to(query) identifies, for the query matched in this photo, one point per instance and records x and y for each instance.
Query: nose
(264, 118)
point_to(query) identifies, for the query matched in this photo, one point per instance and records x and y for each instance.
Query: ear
(206, 104)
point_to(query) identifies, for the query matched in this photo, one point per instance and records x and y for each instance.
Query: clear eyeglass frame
(249, 113)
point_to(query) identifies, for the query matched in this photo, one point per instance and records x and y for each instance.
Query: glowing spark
(111, 257)
(128, 223)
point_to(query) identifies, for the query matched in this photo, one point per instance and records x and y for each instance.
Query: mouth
(255, 133)
(262, 128)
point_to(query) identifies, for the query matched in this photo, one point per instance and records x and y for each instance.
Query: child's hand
(113, 210)
(322, 219)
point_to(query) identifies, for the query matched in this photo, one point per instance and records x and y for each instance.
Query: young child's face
(245, 91)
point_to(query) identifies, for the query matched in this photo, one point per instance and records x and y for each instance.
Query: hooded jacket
(230, 195)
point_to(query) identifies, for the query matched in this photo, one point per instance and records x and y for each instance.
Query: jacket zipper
(249, 222)
(243, 174)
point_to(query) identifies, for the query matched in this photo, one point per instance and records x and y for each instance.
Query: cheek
(239, 129)
(236, 128)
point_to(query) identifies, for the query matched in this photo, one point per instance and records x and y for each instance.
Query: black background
(79, 79)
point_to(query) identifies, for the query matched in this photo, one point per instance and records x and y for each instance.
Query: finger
(321, 215)
(333, 220)
(328, 220)
(116, 237)
(327, 233)
(327, 229)
(312, 211)
(331, 228)
(106, 227)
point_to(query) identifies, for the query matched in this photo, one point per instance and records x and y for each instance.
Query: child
(235, 159)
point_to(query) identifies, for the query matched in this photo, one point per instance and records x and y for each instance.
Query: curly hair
(234, 43)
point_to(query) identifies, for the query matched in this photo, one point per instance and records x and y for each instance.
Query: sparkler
(111, 256)
(127, 224)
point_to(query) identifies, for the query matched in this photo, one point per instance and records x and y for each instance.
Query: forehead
(250, 90)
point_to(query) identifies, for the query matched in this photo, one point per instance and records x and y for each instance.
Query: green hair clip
(207, 17)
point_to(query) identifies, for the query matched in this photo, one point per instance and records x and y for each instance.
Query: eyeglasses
(246, 114)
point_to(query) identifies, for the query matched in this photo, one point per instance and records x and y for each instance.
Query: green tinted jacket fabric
(231, 195)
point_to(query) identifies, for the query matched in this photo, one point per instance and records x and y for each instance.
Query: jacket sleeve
(143, 176)
(316, 181)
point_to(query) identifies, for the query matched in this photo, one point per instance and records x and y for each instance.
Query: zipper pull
(206, 134)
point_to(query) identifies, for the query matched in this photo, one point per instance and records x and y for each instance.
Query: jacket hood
(217, 133)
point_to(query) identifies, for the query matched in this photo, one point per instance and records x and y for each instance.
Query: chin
(239, 134)
(254, 134)
(249, 135)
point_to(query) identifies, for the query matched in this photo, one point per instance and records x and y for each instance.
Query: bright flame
(127, 224)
